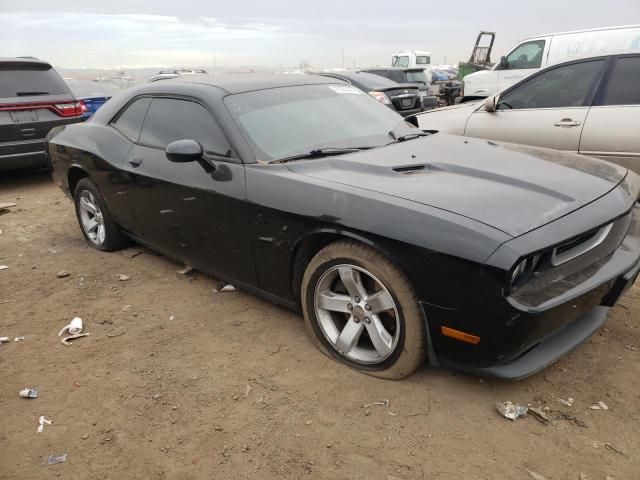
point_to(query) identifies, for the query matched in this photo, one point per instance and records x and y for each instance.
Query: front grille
(580, 245)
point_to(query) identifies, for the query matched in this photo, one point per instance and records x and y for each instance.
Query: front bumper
(522, 334)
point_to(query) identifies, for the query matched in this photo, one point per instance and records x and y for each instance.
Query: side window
(527, 55)
(170, 119)
(397, 76)
(623, 87)
(129, 123)
(567, 86)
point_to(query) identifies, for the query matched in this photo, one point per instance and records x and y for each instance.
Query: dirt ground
(178, 382)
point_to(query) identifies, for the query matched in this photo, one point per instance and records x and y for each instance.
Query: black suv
(416, 76)
(403, 98)
(33, 100)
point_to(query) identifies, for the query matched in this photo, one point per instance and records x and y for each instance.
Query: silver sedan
(589, 106)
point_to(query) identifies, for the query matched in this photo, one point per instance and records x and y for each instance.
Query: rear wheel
(95, 220)
(362, 310)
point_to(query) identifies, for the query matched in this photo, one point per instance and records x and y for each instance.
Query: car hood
(513, 188)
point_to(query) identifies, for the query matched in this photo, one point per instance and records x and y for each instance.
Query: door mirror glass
(503, 63)
(182, 151)
(491, 103)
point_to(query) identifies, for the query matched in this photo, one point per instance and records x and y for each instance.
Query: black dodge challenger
(399, 246)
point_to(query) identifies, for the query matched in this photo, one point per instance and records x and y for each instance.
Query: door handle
(135, 162)
(566, 122)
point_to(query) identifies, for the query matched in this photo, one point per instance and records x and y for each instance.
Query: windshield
(281, 122)
(417, 77)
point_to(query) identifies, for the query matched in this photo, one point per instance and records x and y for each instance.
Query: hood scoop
(413, 169)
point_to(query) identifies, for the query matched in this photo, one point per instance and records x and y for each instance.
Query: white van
(532, 54)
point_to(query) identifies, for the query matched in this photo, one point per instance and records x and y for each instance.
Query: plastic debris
(65, 340)
(599, 406)
(186, 270)
(7, 205)
(74, 327)
(539, 415)
(536, 476)
(53, 459)
(510, 410)
(62, 274)
(630, 347)
(123, 278)
(225, 287)
(568, 402)
(3, 267)
(28, 393)
(42, 422)
(4, 339)
(17, 339)
(384, 402)
(247, 390)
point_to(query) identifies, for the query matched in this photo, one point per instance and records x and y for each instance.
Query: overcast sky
(128, 33)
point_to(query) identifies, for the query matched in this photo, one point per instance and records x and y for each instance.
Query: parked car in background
(168, 74)
(590, 106)
(92, 94)
(397, 245)
(404, 98)
(532, 54)
(416, 76)
(33, 99)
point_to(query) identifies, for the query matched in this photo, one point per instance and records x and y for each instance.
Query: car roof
(25, 60)
(391, 69)
(571, 32)
(612, 53)
(247, 82)
(368, 80)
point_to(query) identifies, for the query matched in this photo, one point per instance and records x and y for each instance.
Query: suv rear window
(25, 79)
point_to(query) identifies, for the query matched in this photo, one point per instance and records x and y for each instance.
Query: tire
(404, 346)
(107, 236)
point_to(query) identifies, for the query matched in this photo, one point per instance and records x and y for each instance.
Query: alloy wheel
(357, 314)
(91, 218)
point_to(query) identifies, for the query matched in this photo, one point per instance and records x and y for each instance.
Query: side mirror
(182, 151)
(413, 120)
(503, 63)
(491, 103)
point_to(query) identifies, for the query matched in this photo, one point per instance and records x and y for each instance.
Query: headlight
(524, 269)
(381, 97)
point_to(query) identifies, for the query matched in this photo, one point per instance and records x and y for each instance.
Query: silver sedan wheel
(357, 314)
(91, 218)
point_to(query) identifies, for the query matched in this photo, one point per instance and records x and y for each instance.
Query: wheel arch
(75, 174)
(310, 243)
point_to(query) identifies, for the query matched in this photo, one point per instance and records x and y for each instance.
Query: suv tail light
(63, 109)
(69, 109)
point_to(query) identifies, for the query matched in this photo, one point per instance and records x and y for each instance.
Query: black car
(397, 245)
(403, 98)
(417, 76)
(33, 99)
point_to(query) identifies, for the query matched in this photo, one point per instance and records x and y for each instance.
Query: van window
(526, 55)
(423, 60)
(566, 86)
(623, 87)
(400, 61)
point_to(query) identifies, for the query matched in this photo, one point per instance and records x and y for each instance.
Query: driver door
(547, 110)
(521, 62)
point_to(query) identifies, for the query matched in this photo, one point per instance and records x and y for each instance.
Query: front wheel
(362, 310)
(98, 227)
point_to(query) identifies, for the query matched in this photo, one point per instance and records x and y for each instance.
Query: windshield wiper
(407, 136)
(320, 152)
(29, 94)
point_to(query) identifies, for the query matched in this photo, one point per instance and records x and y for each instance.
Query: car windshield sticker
(345, 89)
